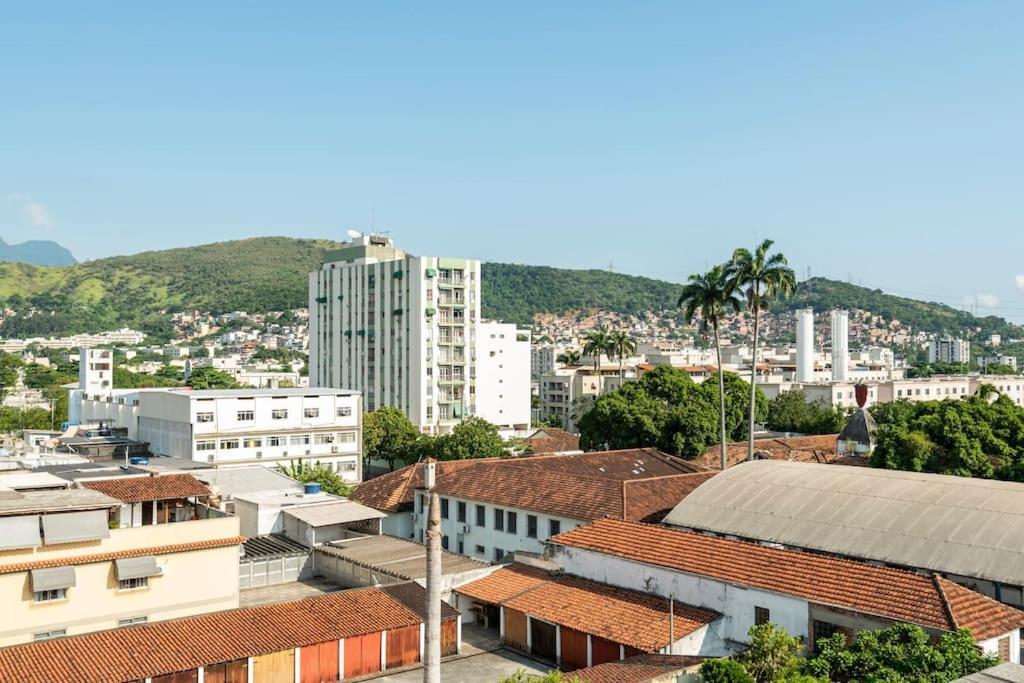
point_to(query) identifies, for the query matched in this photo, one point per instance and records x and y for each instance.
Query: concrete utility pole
(432, 637)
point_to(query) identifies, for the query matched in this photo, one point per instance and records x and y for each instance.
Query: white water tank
(840, 345)
(805, 345)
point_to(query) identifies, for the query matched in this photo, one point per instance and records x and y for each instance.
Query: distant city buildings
(949, 350)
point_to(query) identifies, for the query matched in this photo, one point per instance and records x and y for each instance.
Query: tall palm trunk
(721, 397)
(753, 382)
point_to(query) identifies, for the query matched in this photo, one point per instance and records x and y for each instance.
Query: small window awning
(20, 533)
(136, 568)
(71, 527)
(53, 578)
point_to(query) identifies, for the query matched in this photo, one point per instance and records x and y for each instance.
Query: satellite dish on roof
(354, 234)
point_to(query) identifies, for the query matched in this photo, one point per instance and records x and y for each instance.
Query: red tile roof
(818, 448)
(166, 647)
(156, 487)
(553, 440)
(581, 486)
(638, 669)
(881, 591)
(649, 500)
(121, 554)
(639, 620)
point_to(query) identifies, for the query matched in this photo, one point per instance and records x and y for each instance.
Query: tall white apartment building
(949, 350)
(404, 331)
(840, 345)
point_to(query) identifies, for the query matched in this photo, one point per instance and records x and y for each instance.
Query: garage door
(179, 677)
(449, 638)
(602, 651)
(362, 655)
(574, 649)
(403, 646)
(277, 667)
(319, 663)
(542, 639)
(515, 629)
(227, 672)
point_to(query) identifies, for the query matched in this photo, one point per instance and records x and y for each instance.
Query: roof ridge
(944, 599)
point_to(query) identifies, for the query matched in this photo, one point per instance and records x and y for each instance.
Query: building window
(499, 519)
(132, 621)
(279, 414)
(461, 547)
(323, 438)
(499, 554)
(420, 504)
(444, 543)
(206, 445)
(344, 411)
(531, 526)
(346, 466)
(444, 508)
(460, 508)
(346, 437)
(300, 440)
(204, 417)
(245, 416)
(47, 635)
(481, 516)
(50, 595)
(229, 444)
(311, 412)
(511, 520)
(252, 443)
(554, 527)
(276, 441)
(133, 584)
(821, 631)
(761, 615)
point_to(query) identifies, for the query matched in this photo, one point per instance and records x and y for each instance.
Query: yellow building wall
(192, 582)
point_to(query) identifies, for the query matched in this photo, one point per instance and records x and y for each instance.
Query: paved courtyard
(282, 592)
(486, 667)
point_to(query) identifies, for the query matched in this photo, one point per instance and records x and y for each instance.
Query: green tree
(170, 372)
(773, 653)
(901, 652)
(570, 357)
(791, 412)
(9, 365)
(712, 296)
(304, 472)
(596, 343)
(389, 435)
(724, 671)
(762, 276)
(474, 437)
(553, 676)
(620, 345)
(211, 378)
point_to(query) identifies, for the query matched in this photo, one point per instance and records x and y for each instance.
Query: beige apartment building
(64, 571)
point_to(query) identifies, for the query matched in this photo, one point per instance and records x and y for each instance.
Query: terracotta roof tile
(553, 440)
(818, 448)
(639, 620)
(882, 591)
(638, 669)
(182, 644)
(156, 487)
(582, 486)
(121, 554)
(985, 618)
(649, 500)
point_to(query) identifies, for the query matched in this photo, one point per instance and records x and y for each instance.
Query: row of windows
(502, 520)
(275, 414)
(276, 441)
(56, 594)
(61, 632)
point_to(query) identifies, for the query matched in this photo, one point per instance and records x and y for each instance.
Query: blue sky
(876, 141)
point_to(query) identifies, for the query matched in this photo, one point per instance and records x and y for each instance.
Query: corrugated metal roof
(955, 525)
(1001, 673)
(238, 481)
(25, 502)
(326, 514)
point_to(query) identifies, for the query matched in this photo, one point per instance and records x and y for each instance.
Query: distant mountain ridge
(36, 252)
(271, 273)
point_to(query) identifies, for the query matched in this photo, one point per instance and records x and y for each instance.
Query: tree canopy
(790, 411)
(668, 410)
(329, 480)
(390, 436)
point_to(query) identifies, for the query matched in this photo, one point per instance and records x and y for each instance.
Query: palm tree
(620, 345)
(761, 277)
(595, 344)
(711, 295)
(569, 357)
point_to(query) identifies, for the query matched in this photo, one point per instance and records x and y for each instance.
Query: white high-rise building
(805, 345)
(404, 330)
(840, 345)
(949, 350)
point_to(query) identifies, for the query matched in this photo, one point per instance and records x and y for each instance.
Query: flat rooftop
(252, 393)
(64, 500)
(396, 556)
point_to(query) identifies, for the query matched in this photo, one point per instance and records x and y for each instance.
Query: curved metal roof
(955, 525)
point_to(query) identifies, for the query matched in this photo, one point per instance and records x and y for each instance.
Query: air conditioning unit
(210, 458)
(259, 454)
(464, 529)
(308, 452)
(284, 453)
(415, 516)
(334, 449)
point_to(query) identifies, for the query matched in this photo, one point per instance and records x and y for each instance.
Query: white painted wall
(991, 646)
(503, 375)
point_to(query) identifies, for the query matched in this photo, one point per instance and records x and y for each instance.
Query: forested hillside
(270, 273)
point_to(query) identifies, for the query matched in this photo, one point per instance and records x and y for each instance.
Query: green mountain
(270, 273)
(38, 252)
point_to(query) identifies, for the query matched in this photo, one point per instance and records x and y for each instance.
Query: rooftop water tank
(311, 488)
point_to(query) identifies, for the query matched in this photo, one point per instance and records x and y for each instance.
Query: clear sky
(877, 141)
